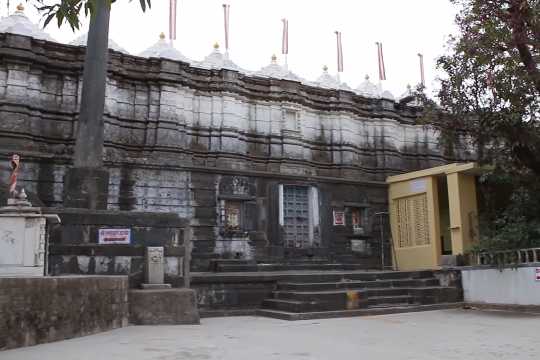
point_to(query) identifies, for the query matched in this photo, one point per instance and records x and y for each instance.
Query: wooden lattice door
(296, 216)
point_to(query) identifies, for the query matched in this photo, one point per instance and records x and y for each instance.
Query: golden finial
(20, 7)
(162, 36)
(274, 58)
(325, 68)
(216, 45)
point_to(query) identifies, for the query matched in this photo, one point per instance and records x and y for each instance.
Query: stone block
(163, 307)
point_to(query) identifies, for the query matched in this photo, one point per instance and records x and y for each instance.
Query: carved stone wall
(174, 132)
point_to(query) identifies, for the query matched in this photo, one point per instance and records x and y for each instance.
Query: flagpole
(382, 70)
(422, 74)
(285, 41)
(339, 55)
(226, 9)
(172, 21)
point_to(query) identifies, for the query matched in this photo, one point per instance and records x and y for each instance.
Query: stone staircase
(353, 294)
(234, 265)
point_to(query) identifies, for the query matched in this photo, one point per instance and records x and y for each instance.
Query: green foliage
(69, 11)
(510, 211)
(490, 101)
(492, 86)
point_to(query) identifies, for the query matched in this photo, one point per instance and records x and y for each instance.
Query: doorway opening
(444, 216)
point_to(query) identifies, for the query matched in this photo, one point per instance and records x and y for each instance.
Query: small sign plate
(339, 218)
(115, 236)
(419, 185)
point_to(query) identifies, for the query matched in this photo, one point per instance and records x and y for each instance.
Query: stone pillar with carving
(155, 269)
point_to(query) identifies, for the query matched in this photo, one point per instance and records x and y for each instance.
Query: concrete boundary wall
(511, 286)
(40, 310)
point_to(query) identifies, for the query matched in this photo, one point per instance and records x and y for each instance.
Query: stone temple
(265, 166)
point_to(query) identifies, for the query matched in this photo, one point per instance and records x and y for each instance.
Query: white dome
(274, 70)
(164, 49)
(18, 23)
(217, 60)
(81, 41)
(327, 81)
(368, 89)
(409, 97)
(387, 95)
(408, 93)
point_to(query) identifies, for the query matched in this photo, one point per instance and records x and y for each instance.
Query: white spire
(328, 81)
(368, 89)
(18, 23)
(164, 49)
(81, 41)
(275, 70)
(217, 60)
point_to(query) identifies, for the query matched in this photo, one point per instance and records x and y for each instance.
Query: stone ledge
(531, 309)
(163, 307)
(37, 310)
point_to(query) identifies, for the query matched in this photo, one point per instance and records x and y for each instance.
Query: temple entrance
(433, 215)
(296, 219)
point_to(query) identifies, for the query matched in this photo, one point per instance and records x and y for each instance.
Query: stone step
(359, 276)
(321, 304)
(287, 305)
(245, 265)
(399, 299)
(357, 284)
(395, 309)
(386, 306)
(336, 298)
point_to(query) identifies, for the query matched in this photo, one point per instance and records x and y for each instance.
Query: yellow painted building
(433, 212)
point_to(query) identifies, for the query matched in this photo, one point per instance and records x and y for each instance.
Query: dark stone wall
(263, 231)
(74, 247)
(40, 310)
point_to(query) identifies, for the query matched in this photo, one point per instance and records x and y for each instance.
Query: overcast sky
(405, 27)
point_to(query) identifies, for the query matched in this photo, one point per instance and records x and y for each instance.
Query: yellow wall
(463, 211)
(423, 256)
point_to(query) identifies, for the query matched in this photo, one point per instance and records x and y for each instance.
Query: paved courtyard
(435, 335)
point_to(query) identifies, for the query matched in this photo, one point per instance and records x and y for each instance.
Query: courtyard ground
(448, 334)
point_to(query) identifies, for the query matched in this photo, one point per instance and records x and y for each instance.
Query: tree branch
(517, 11)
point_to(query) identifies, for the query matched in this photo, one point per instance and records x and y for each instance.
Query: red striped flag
(15, 159)
(422, 75)
(339, 52)
(285, 39)
(382, 70)
(226, 9)
(172, 19)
